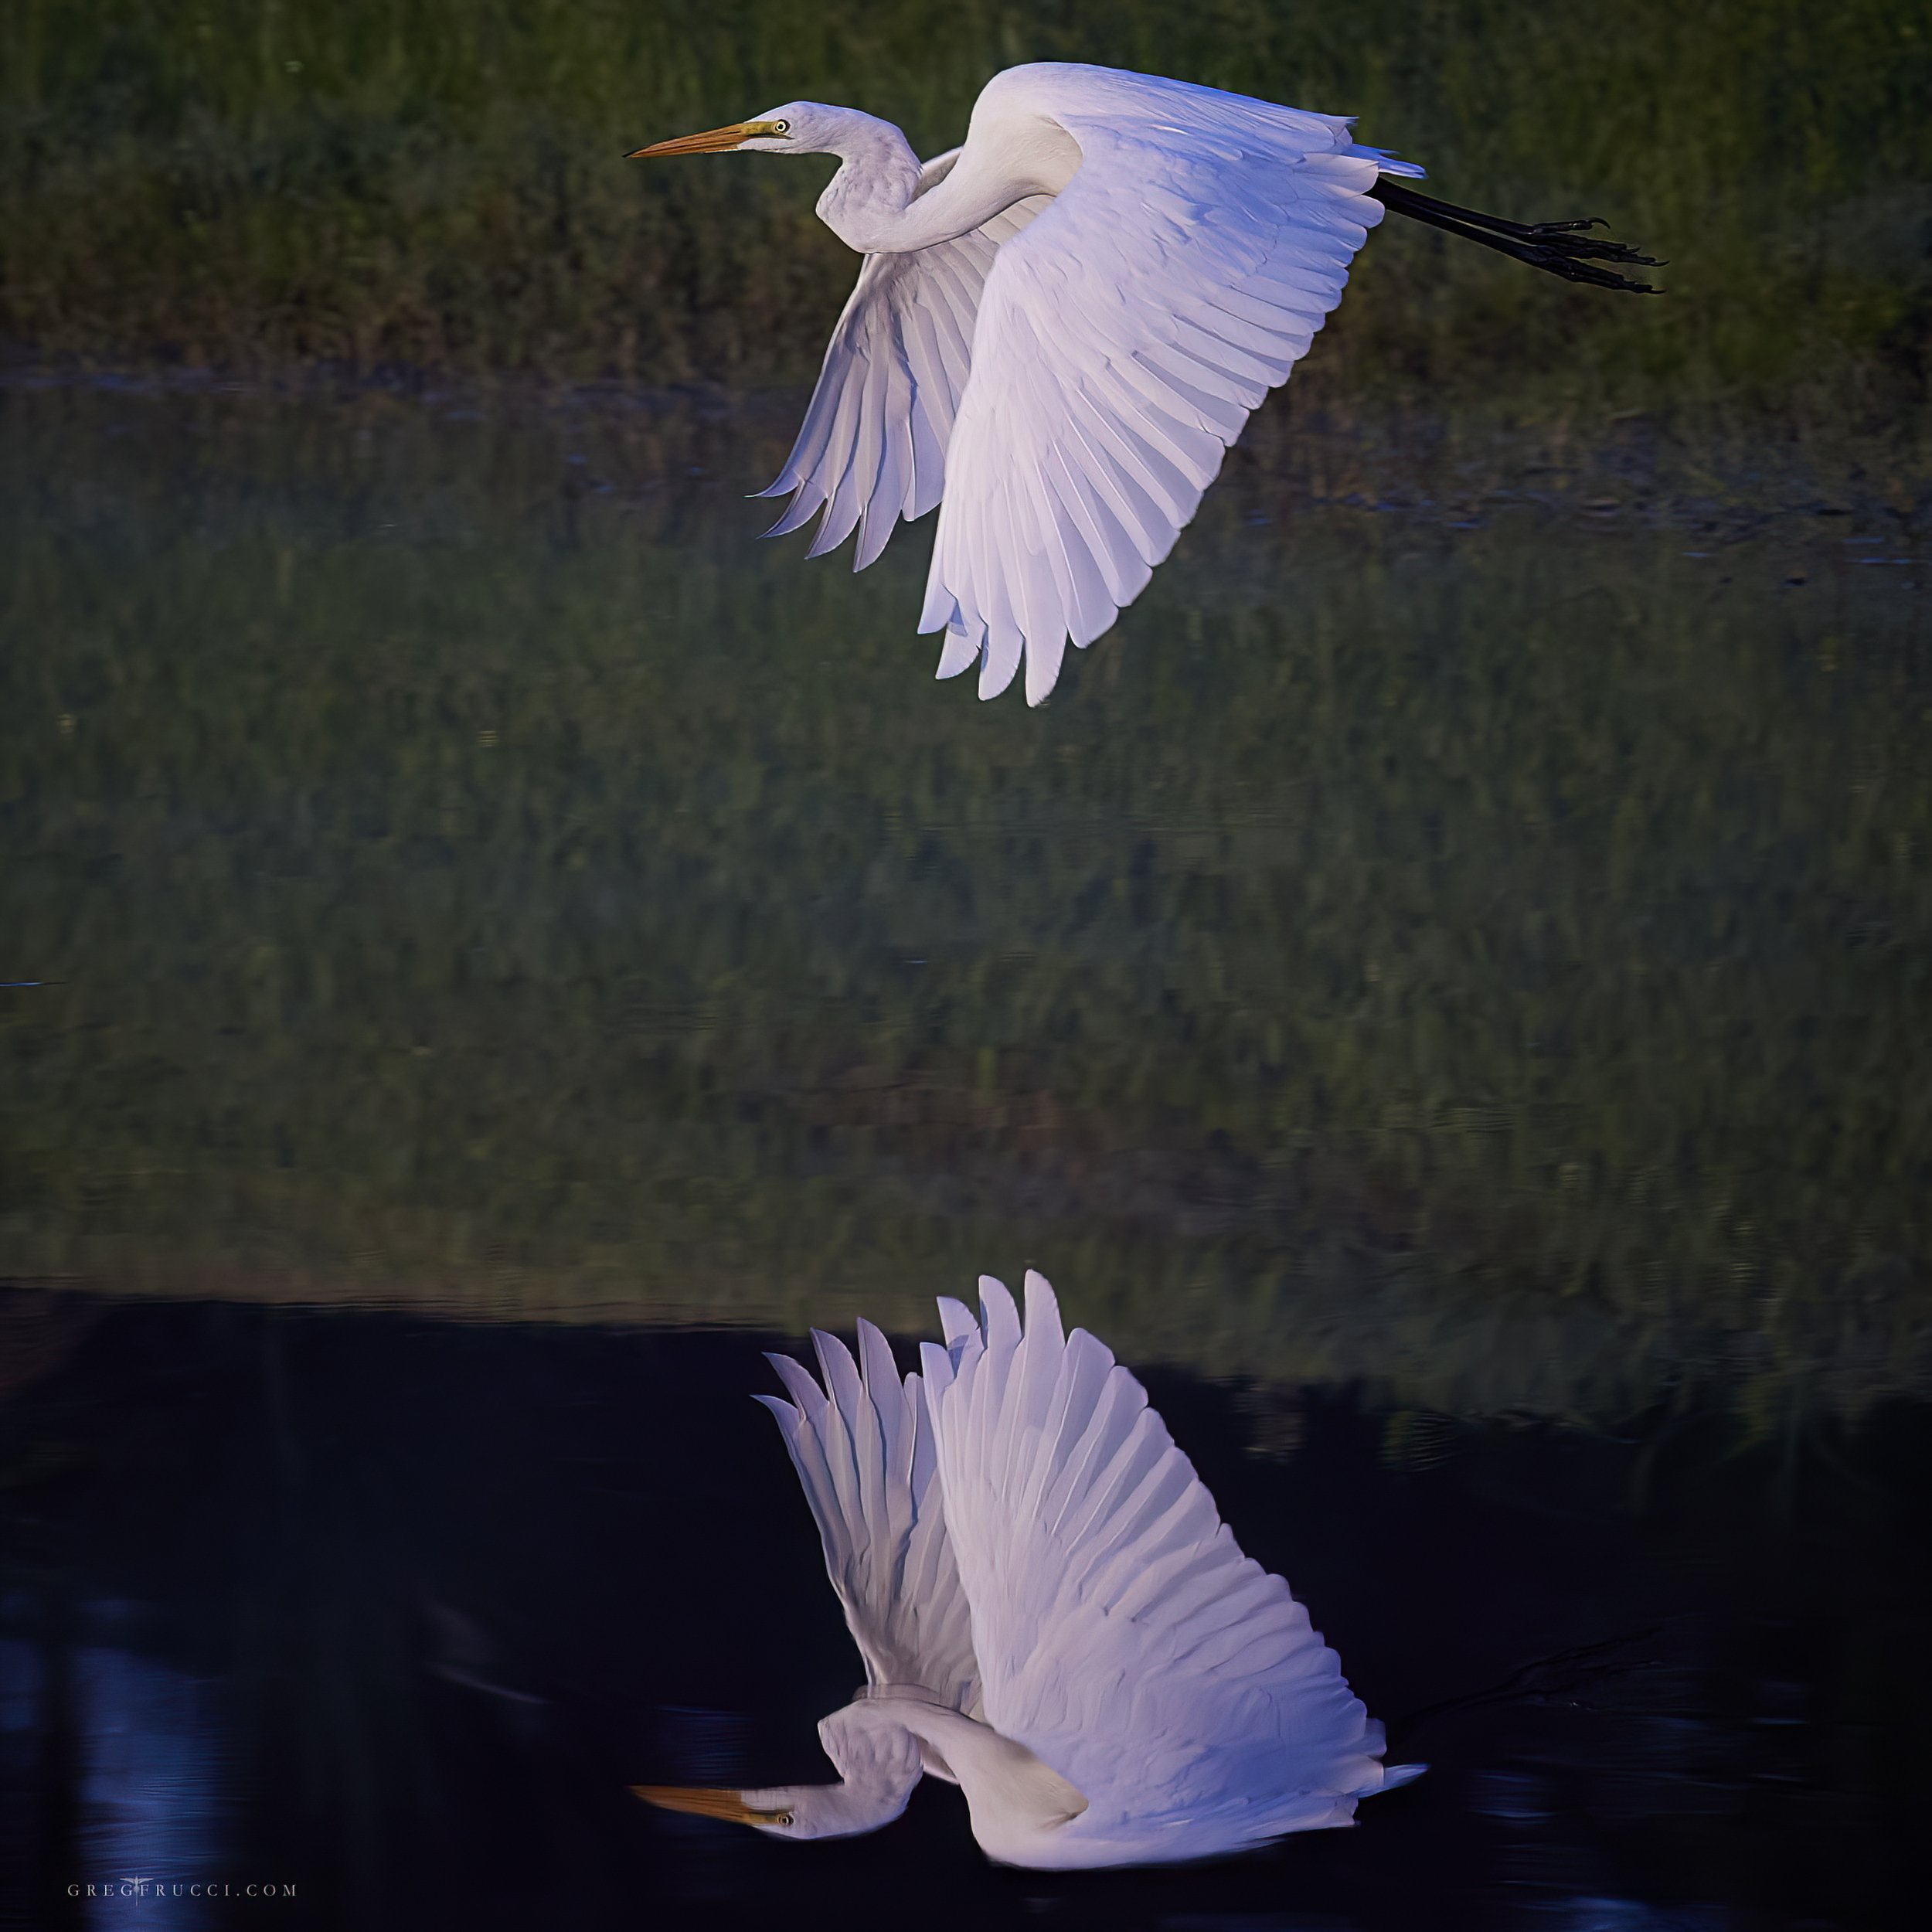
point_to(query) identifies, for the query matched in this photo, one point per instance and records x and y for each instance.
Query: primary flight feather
(1061, 327)
(1052, 1614)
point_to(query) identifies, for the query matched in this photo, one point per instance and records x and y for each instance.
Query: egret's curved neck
(1014, 1798)
(878, 1765)
(873, 203)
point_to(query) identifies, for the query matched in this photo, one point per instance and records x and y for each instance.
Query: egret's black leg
(1560, 248)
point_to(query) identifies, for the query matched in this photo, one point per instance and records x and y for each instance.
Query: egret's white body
(1052, 1614)
(1059, 328)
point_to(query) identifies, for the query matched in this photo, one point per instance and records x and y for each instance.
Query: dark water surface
(1443, 991)
(394, 1610)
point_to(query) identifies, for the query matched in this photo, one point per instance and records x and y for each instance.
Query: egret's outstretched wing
(872, 446)
(1122, 341)
(1121, 1635)
(863, 1448)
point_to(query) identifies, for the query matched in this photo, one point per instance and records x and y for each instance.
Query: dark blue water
(394, 1611)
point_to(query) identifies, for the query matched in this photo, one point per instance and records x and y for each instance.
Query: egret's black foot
(1555, 263)
(1557, 235)
(1563, 248)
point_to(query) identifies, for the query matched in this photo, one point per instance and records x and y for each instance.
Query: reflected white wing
(1121, 1635)
(1122, 341)
(863, 1448)
(872, 446)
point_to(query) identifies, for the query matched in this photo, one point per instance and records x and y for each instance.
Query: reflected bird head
(735, 1807)
(801, 1811)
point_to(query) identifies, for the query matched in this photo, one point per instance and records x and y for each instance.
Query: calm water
(1442, 991)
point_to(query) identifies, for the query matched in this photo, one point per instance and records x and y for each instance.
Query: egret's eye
(782, 127)
(784, 1817)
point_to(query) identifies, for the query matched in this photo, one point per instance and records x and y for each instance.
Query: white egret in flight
(1053, 1616)
(1061, 326)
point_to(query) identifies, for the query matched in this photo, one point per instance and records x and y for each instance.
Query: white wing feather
(1121, 1635)
(1122, 341)
(872, 446)
(863, 1447)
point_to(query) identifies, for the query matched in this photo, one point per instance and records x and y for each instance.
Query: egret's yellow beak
(716, 140)
(700, 1801)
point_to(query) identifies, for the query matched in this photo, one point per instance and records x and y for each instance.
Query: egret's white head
(798, 127)
(795, 1810)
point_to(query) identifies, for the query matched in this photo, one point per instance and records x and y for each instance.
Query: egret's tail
(1389, 164)
(1564, 248)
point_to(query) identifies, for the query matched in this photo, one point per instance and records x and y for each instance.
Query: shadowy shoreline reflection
(395, 1611)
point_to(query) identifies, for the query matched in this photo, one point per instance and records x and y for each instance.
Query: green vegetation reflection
(1492, 960)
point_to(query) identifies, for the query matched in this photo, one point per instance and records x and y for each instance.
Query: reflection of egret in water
(1052, 1613)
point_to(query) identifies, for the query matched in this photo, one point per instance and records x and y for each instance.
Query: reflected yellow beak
(715, 140)
(701, 1801)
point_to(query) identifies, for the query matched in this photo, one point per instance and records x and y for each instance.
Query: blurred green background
(1471, 946)
(435, 183)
